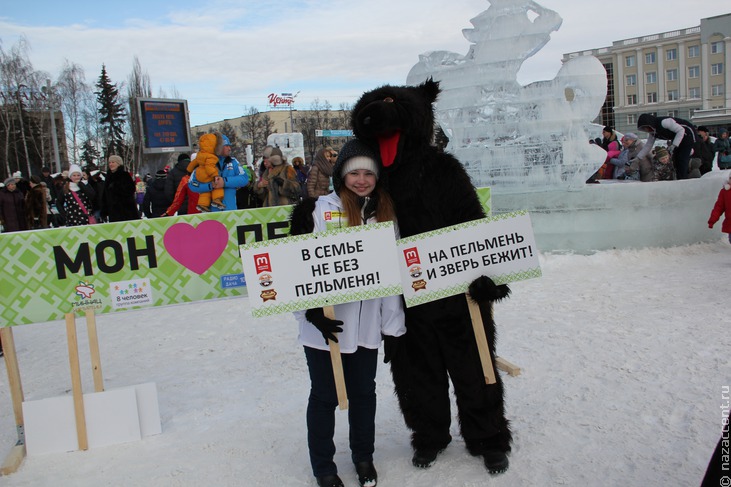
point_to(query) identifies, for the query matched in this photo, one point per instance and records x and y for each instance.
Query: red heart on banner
(196, 248)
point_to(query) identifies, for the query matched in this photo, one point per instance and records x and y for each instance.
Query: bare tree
(250, 127)
(15, 78)
(77, 103)
(138, 86)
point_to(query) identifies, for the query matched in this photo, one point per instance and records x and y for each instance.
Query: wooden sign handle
(14, 459)
(482, 345)
(76, 387)
(96, 361)
(337, 362)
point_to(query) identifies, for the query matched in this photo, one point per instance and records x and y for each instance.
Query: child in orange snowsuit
(205, 166)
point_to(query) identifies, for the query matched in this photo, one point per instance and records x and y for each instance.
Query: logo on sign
(262, 263)
(283, 99)
(412, 256)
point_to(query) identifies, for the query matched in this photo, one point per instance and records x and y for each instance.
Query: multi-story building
(683, 73)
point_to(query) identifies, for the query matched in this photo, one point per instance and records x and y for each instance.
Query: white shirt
(363, 321)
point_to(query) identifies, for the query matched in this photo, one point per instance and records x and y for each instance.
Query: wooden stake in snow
(337, 362)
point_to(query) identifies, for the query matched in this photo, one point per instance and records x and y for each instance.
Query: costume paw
(484, 290)
(301, 221)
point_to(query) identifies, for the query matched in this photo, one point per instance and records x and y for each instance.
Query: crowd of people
(82, 196)
(688, 152)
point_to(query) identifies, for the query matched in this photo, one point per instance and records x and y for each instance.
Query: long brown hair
(351, 206)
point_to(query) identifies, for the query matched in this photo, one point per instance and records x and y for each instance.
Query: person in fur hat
(358, 199)
(12, 207)
(723, 205)
(278, 184)
(205, 166)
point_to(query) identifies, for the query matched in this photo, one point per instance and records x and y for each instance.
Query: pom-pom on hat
(354, 155)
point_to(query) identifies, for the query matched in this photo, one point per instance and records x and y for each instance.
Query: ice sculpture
(510, 137)
(530, 143)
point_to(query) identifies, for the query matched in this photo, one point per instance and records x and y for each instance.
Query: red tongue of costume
(389, 147)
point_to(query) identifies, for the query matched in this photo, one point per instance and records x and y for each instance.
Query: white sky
(223, 56)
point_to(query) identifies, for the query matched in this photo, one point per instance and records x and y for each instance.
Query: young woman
(357, 200)
(77, 199)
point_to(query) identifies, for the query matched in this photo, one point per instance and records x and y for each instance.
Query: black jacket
(156, 201)
(172, 182)
(118, 203)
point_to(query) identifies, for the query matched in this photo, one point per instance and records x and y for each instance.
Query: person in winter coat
(36, 205)
(679, 132)
(278, 185)
(156, 201)
(662, 165)
(722, 146)
(172, 183)
(246, 197)
(299, 166)
(183, 196)
(611, 144)
(119, 203)
(231, 177)
(704, 150)
(722, 206)
(77, 199)
(635, 168)
(205, 166)
(357, 200)
(318, 180)
(94, 178)
(48, 179)
(12, 207)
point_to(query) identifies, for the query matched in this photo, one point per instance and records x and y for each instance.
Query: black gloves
(390, 345)
(327, 327)
(484, 290)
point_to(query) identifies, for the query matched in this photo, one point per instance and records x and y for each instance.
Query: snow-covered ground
(624, 354)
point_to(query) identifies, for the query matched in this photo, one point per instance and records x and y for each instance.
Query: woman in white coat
(357, 200)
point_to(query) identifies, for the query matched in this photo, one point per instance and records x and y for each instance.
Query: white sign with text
(321, 269)
(444, 262)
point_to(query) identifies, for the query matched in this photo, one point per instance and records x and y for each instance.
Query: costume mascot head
(431, 190)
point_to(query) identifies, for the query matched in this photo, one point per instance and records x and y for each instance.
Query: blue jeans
(359, 369)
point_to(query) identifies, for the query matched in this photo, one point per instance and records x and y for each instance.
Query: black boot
(329, 481)
(367, 475)
(496, 460)
(425, 457)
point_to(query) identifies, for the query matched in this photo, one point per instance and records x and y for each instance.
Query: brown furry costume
(431, 190)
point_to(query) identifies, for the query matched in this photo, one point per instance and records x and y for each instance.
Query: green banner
(130, 265)
(127, 265)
